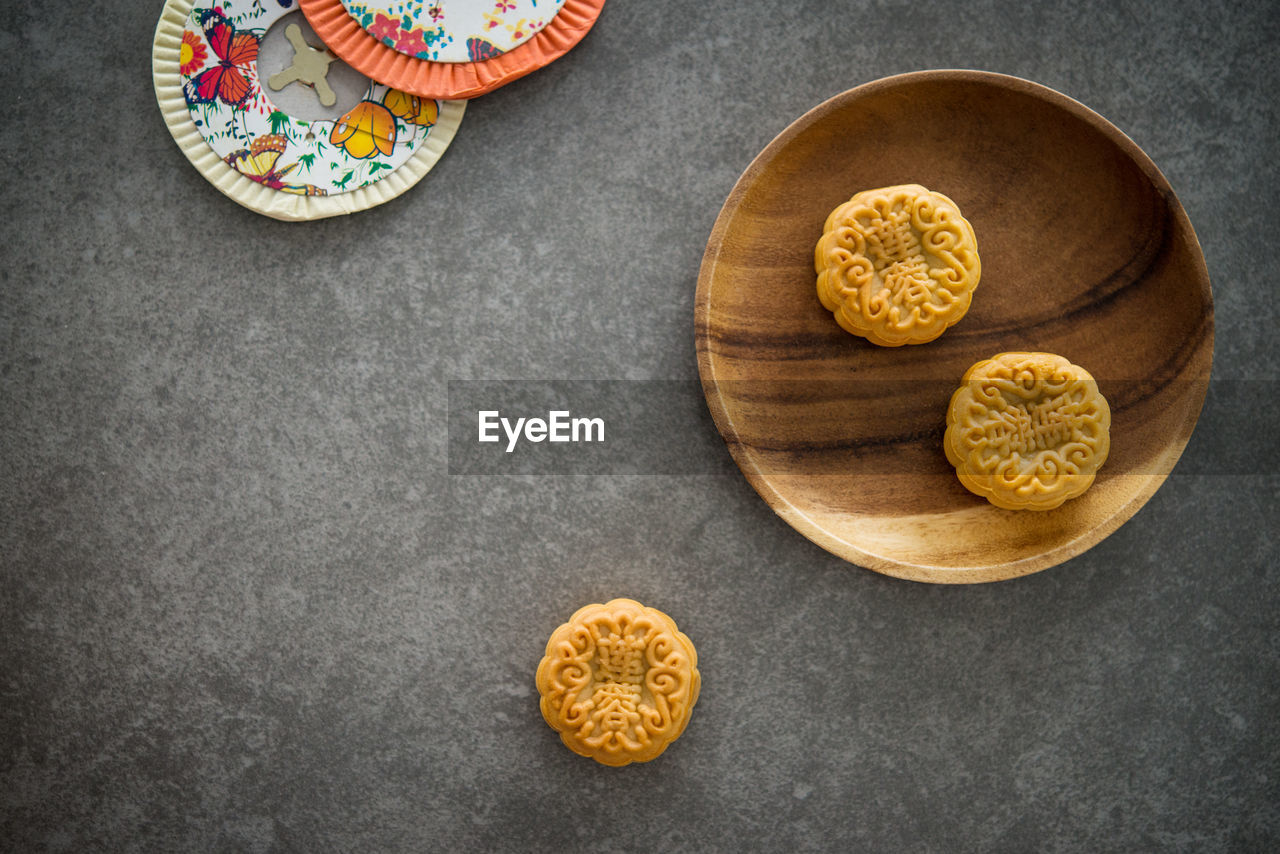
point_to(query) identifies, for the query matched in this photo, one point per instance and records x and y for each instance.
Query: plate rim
(763, 484)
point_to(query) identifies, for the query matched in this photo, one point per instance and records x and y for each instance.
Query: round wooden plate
(1086, 252)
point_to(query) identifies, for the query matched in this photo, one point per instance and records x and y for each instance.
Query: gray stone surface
(245, 607)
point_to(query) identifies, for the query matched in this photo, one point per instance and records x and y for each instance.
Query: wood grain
(1086, 252)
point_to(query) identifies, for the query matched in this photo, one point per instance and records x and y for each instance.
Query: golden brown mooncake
(897, 265)
(618, 682)
(1027, 431)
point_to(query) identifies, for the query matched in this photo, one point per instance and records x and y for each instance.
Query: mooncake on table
(618, 682)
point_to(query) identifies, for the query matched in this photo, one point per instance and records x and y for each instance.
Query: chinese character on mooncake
(1027, 431)
(897, 265)
(618, 682)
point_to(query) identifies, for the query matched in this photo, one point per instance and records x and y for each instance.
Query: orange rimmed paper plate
(344, 35)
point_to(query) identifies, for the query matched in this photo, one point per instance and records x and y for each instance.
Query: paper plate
(452, 30)
(1086, 253)
(345, 37)
(204, 66)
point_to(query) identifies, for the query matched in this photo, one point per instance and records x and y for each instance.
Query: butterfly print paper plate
(205, 68)
(494, 56)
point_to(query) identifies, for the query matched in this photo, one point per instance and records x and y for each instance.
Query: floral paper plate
(453, 30)
(490, 65)
(205, 70)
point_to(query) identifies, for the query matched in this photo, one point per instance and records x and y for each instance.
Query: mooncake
(1027, 431)
(618, 682)
(897, 265)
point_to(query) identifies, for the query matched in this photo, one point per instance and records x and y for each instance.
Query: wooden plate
(1086, 252)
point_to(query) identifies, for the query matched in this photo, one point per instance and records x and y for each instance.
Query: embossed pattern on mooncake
(618, 682)
(1027, 431)
(897, 265)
